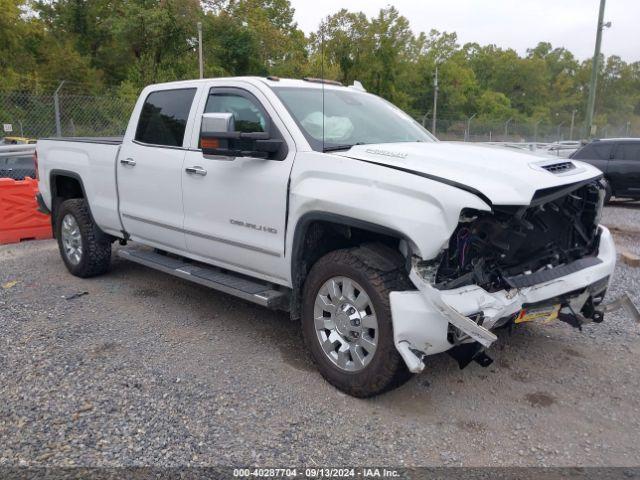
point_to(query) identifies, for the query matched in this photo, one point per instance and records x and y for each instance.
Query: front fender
(422, 211)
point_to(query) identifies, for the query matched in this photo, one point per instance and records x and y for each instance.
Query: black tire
(608, 191)
(387, 369)
(96, 246)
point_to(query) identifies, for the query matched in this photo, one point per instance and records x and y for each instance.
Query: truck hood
(497, 175)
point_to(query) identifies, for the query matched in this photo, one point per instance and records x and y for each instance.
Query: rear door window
(164, 116)
(594, 151)
(628, 151)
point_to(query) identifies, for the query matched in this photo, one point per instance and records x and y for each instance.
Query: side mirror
(213, 123)
(218, 137)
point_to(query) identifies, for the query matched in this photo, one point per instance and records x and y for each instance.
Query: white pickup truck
(334, 205)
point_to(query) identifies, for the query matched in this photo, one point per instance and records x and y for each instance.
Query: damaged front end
(552, 253)
(513, 247)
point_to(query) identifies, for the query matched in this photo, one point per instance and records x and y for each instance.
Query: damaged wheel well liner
(318, 233)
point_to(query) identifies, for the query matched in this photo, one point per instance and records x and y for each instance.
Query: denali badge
(386, 153)
(260, 228)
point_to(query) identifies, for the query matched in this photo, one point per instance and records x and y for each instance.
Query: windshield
(350, 118)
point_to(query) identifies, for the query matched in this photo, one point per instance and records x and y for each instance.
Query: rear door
(625, 169)
(149, 170)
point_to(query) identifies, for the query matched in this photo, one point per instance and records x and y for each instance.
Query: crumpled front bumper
(421, 317)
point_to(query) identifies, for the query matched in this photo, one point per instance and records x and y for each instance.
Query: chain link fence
(37, 116)
(490, 130)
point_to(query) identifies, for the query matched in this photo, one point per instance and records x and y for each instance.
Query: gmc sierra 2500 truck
(333, 204)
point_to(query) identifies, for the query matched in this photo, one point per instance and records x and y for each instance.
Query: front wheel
(347, 324)
(84, 249)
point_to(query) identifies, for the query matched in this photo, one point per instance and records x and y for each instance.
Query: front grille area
(558, 228)
(559, 167)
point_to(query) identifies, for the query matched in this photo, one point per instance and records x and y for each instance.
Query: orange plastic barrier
(19, 217)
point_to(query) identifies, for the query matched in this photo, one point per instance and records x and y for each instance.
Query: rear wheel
(85, 250)
(347, 324)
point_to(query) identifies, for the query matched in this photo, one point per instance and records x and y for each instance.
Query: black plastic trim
(42, 207)
(547, 195)
(67, 173)
(304, 222)
(522, 281)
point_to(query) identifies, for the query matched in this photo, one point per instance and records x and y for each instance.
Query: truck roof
(620, 139)
(269, 81)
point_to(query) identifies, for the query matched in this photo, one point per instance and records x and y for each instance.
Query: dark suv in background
(619, 160)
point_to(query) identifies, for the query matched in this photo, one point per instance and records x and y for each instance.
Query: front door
(149, 171)
(235, 208)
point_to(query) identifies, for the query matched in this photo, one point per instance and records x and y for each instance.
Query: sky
(517, 24)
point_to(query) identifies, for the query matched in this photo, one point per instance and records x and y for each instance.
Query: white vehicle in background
(333, 204)
(564, 148)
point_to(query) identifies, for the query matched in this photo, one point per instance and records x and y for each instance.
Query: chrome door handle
(196, 171)
(128, 161)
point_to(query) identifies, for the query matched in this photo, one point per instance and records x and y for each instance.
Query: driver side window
(248, 116)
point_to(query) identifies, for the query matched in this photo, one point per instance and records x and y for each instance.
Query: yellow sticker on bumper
(539, 315)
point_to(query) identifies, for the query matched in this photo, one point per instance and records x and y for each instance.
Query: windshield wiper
(337, 148)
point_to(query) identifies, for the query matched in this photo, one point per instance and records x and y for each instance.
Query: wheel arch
(317, 233)
(66, 185)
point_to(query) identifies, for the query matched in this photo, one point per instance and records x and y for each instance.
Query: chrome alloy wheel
(71, 239)
(346, 324)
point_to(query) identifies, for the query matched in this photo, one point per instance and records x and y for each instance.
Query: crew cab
(334, 205)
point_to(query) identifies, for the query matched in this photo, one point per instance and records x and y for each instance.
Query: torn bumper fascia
(421, 318)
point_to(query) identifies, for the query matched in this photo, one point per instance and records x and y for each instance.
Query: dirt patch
(573, 353)
(104, 349)
(471, 426)
(540, 399)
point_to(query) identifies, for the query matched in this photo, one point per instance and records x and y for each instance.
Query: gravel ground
(147, 369)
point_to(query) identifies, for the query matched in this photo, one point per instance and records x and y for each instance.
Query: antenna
(322, 76)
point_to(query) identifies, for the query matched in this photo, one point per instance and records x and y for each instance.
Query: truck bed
(92, 161)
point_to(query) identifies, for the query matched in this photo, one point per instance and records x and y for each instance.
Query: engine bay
(559, 227)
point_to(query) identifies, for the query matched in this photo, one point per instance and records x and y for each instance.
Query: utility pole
(506, 128)
(201, 63)
(535, 131)
(469, 126)
(573, 121)
(594, 71)
(56, 106)
(435, 102)
(424, 119)
(559, 127)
